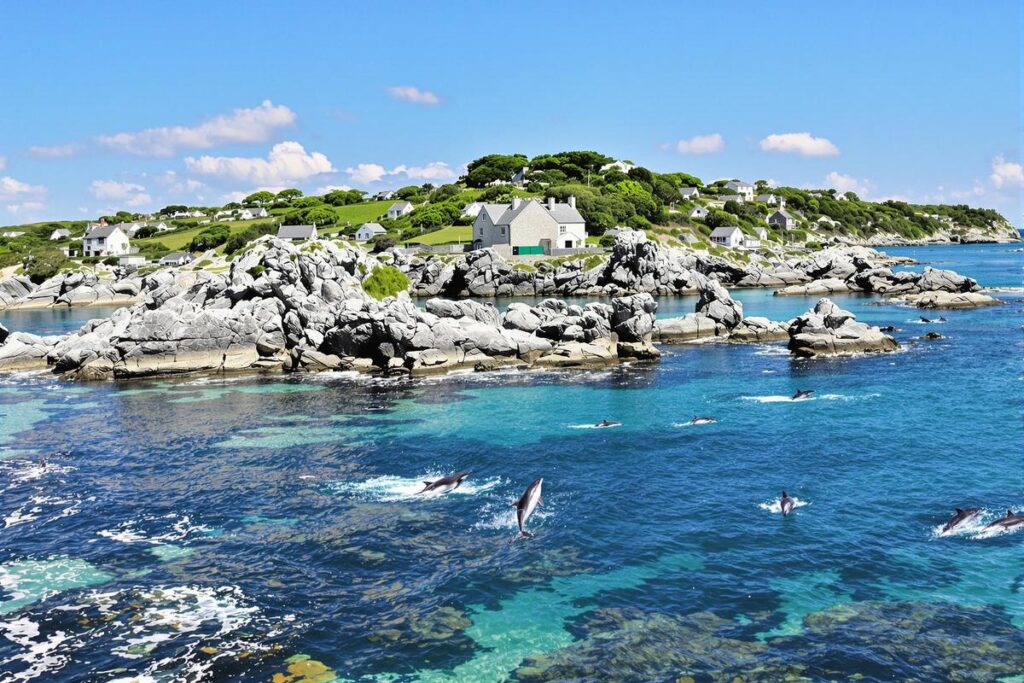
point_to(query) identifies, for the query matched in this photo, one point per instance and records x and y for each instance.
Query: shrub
(210, 238)
(383, 243)
(43, 265)
(110, 261)
(607, 241)
(385, 281)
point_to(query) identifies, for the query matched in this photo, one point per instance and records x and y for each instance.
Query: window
(481, 231)
(561, 229)
(503, 230)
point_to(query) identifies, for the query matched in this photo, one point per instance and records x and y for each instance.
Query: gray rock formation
(302, 308)
(827, 330)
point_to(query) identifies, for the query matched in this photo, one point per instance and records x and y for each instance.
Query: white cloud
(25, 207)
(803, 144)
(11, 188)
(55, 151)
(126, 194)
(698, 144)
(847, 183)
(248, 126)
(287, 162)
(364, 174)
(1006, 173)
(410, 93)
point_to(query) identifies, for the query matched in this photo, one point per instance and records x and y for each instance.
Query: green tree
(260, 198)
(289, 194)
(319, 216)
(493, 167)
(41, 265)
(214, 236)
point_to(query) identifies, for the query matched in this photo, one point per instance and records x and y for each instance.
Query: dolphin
(925, 320)
(1009, 521)
(786, 504)
(942, 319)
(802, 393)
(526, 504)
(961, 517)
(607, 423)
(444, 484)
(702, 420)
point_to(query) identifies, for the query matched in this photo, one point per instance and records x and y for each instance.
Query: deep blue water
(216, 530)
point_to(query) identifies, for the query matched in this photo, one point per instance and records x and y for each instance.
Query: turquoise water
(213, 530)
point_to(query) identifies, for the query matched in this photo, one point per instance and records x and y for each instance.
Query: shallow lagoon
(231, 530)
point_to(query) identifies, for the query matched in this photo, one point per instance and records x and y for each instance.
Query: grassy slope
(176, 241)
(449, 235)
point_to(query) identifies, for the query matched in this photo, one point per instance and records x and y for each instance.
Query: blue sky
(137, 105)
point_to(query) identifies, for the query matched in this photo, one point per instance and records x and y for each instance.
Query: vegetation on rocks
(385, 281)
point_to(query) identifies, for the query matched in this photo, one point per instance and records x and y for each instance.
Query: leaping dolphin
(924, 319)
(697, 420)
(802, 393)
(786, 504)
(1009, 521)
(444, 484)
(526, 504)
(607, 423)
(961, 517)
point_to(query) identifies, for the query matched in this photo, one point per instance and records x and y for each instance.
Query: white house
(689, 193)
(738, 198)
(622, 166)
(132, 260)
(70, 252)
(60, 233)
(530, 227)
(105, 240)
(698, 212)
(399, 209)
(772, 200)
(472, 209)
(519, 177)
(728, 236)
(367, 231)
(384, 195)
(740, 187)
(250, 213)
(296, 233)
(176, 259)
(782, 219)
(11, 233)
(762, 232)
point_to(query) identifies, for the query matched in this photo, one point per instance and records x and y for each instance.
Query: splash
(596, 426)
(808, 399)
(775, 507)
(389, 488)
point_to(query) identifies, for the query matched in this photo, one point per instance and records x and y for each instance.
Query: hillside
(609, 194)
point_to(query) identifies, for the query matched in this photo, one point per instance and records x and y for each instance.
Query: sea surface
(255, 530)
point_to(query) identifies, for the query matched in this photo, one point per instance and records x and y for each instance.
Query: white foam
(389, 488)
(774, 506)
(808, 399)
(180, 529)
(691, 424)
(595, 426)
(40, 655)
(505, 517)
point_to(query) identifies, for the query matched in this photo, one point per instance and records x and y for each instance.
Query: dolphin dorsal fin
(428, 483)
(959, 511)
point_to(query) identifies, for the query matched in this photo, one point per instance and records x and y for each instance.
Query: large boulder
(933, 280)
(715, 303)
(756, 329)
(827, 330)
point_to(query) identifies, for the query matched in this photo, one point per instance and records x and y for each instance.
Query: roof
(504, 214)
(296, 232)
(401, 205)
(176, 256)
(494, 211)
(698, 209)
(725, 231)
(373, 227)
(783, 213)
(102, 231)
(765, 197)
(563, 213)
(738, 183)
(687, 191)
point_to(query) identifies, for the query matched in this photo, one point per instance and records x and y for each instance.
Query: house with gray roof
(738, 198)
(105, 240)
(745, 189)
(528, 226)
(176, 258)
(689, 193)
(698, 212)
(367, 231)
(519, 177)
(399, 209)
(772, 200)
(782, 219)
(727, 236)
(60, 234)
(296, 233)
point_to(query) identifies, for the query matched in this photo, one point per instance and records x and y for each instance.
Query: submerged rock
(827, 330)
(944, 299)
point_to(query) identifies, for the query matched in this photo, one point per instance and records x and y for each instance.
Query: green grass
(355, 215)
(449, 235)
(385, 281)
(177, 241)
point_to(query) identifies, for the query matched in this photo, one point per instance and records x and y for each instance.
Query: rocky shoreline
(285, 307)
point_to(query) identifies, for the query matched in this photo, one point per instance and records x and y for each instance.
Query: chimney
(572, 201)
(551, 203)
(516, 201)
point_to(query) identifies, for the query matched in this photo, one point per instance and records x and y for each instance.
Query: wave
(974, 529)
(808, 399)
(128, 532)
(389, 488)
(504, 517)
(595, 426)
(775, 507)
(690, 424)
